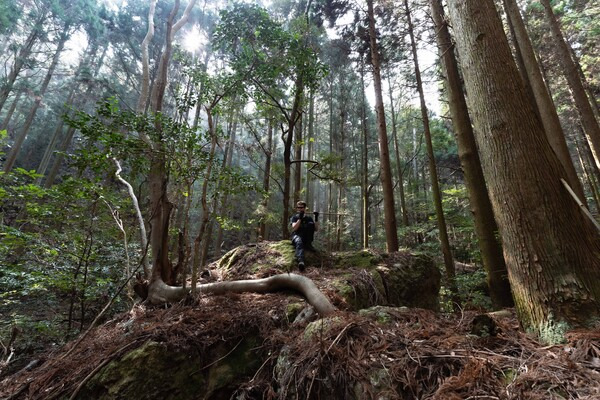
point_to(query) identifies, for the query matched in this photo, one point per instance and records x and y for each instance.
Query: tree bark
(365, 215)
(435, 188)
(204, 201)
(588, 120)
(262, 230)
(545, 105)
(160, 208)
(551, 249)
(481, 207)
(145, 79)
(288, 139)
(398, 160)
(389, 211)
(298, 156)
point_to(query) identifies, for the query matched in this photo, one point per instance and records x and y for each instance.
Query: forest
(153, 155)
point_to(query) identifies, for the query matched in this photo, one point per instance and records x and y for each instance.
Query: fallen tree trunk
(159, 292)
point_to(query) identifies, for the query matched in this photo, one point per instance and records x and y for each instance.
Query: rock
(154, 371)
(362, 278)
(402, 280)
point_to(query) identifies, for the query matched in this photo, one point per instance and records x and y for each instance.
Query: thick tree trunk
(550, 248)
(16, 147)
(435, 188)
(481, 207)
(545, 105)
(160, 207)
(588, 120)
(391, 233)
(160, 293)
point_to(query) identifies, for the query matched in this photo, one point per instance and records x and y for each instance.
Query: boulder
(360, 279)
(155, 371)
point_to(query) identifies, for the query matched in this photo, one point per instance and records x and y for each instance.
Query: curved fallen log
(159, 292)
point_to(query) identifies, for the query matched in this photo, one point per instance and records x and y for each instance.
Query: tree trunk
(160, 208)
(391, 232)
(66, 142)
(227, 163)
(204, 201)
(481, 207)
(545, 105)
(20, 59)
(298, 157)
(550, 248)
(59, 157)
(262, 231)
(435, 188)
(398, 160)
(365, 162)
(11, 110)
(588, 120)
(14, 151)
(288, 139)
(310, 141)
(145, 79)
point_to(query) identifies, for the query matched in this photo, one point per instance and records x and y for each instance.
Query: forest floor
(388, 352)
(426, 354)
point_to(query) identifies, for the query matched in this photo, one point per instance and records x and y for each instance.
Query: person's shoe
(301, 266)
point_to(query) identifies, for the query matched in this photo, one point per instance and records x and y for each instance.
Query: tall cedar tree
(481, 207)
(551, 250)
(391, 232)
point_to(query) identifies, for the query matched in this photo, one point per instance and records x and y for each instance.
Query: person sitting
(303, 231)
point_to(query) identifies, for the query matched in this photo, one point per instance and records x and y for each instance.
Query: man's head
(301, 206)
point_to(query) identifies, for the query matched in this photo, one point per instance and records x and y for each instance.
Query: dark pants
(300, 244)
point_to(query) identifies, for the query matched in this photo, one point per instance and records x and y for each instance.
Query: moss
(381, 314)
(153, 371)
(551, 331)
(292, 310)
(509, 376)
(318, 327)
(286, 252)
(230, 258)
(238, 363)
(364, 259)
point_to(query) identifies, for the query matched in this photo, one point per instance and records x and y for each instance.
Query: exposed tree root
(160, 293)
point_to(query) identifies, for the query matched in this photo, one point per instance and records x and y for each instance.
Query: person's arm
(297, 223)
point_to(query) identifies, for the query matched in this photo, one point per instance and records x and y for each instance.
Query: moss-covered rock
(412, 280)
(382, 314)
(154, 371)
(361, 278)
(403, 279)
